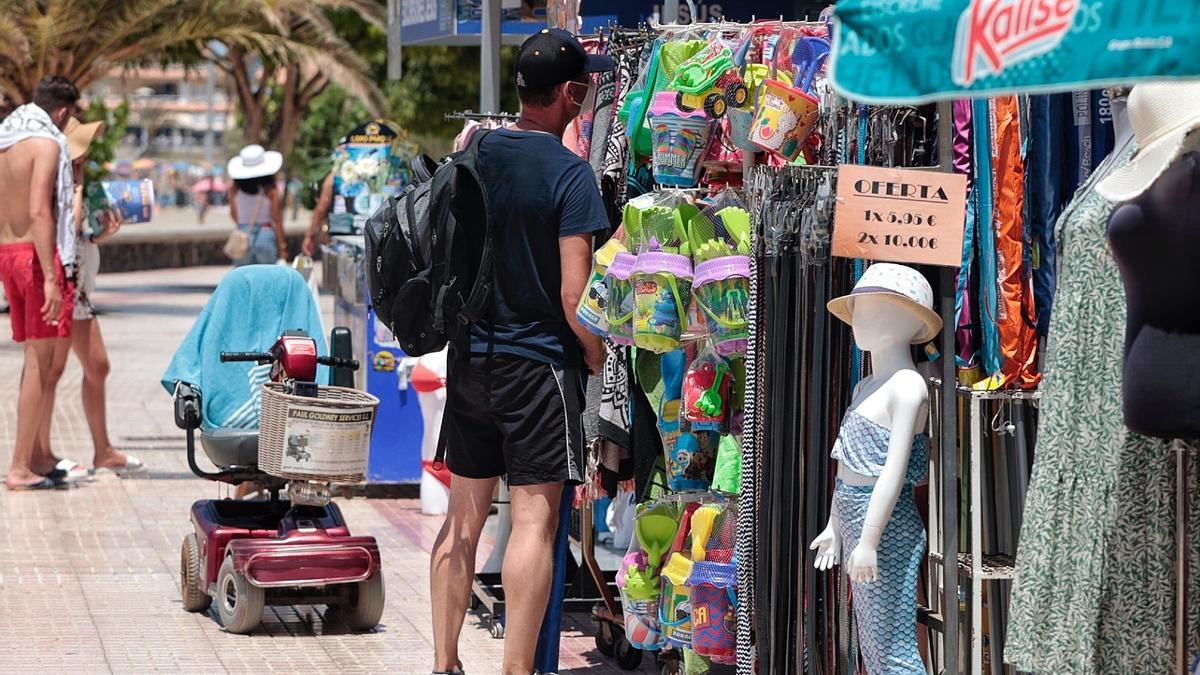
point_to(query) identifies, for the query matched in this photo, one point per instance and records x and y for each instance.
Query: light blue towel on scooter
(249, 310)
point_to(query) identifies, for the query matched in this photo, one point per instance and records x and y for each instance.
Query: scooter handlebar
(335, 362)
(260, 357)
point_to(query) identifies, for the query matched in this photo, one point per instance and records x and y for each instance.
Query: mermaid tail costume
(886, 609)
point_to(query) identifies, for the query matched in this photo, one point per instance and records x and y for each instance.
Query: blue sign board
(445, 20)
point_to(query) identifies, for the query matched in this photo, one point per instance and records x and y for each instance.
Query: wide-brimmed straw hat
(898, 284)
(255, 162)
(1162, 114)
(80, 136)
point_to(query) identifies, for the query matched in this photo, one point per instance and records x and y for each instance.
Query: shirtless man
(32, 150)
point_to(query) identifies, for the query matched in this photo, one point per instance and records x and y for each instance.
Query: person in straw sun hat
(256, 206)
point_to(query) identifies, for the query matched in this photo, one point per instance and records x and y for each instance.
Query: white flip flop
(132, 465)
(70, 470)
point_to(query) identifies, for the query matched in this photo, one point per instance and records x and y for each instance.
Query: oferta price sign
(911, 51)
(900, 215)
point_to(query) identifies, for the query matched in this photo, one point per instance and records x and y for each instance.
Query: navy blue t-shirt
(538, 192)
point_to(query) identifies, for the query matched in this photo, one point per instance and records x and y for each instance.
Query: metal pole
(949, 425)
(1181, 556)
(395, 65)
(489, 58)
(670, 11)
(209, 140)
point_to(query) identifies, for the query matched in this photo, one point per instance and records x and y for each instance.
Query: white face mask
(589, 100)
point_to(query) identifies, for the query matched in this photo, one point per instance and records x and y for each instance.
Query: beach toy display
(619, 308)
(705, 393)
(712, 582)
(722, 288)
(680, 142)
(710, 81)
(741, 120)
(640, 596)
(591, 309)
(662, 287)
(784, 119)
(675, 610)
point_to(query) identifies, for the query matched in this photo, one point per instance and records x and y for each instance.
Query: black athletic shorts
(506, 414)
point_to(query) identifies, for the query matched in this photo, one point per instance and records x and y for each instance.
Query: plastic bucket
(680, 144)
(675, 615)
(740, 122)
(714, 624)
(641, 622)
(722, 288)
(784, 119)
(620, 306)
(662, 287)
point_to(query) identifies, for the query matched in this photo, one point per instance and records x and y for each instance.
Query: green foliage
(331, 115)
(439, 80)
(104, 147)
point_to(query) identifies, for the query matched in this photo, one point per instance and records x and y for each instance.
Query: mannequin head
(879, 323)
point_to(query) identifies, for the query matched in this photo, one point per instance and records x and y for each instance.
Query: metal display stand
(978, 564)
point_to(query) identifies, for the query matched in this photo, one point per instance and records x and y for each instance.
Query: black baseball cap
(552, 56)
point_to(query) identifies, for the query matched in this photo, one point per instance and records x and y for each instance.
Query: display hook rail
(472, 115)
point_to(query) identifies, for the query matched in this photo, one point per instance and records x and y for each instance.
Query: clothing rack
(472, 115)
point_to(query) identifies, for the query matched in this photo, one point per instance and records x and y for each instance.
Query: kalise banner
(913, 51)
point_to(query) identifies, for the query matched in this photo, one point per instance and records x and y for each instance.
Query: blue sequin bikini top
(862, 445)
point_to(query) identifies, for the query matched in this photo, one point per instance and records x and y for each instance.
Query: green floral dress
(1095, 566)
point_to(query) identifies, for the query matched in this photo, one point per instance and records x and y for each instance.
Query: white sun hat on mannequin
(254, 162)
(898, 284)
(1162, 115)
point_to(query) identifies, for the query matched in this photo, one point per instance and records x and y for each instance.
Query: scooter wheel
(195, 599)
(628, 656)
(605, 640)
(497, 629)
(365, 608)
(239, 603)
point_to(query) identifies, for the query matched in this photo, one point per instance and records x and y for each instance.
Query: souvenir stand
(723, 146)
(370, 163)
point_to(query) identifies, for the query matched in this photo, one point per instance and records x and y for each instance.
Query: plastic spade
(655, 531)
(702, 527)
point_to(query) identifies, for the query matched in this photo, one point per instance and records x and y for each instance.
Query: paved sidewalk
(89, 577)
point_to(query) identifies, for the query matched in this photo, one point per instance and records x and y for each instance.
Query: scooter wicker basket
(326, 439)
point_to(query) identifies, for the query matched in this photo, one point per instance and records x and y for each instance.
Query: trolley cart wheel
(195, 599)
(680, 104)
(239, 603)
(605, 638)
(474, 602)
(737, 94)
(628, 656)
(714, 105)
(365, 608)
(497, 629)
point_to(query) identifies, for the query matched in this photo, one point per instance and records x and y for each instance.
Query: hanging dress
(1095, 580)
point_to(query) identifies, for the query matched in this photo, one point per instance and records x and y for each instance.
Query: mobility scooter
(294, 549)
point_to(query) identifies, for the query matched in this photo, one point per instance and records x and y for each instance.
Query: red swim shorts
(22, 277)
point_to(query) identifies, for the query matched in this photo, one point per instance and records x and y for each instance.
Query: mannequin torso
(1156, 240)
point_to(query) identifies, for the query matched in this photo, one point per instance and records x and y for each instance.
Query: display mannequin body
(1155, 239)
(895, 400)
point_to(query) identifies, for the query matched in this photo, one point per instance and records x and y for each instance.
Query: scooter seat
(229, 448)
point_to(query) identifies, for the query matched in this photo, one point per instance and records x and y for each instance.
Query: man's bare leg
(93, 356)
(528, 569)
(44, 460)
(34, 378)
(452, 564)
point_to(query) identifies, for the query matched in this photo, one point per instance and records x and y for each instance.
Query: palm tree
(285, 43)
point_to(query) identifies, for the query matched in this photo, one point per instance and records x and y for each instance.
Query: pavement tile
(89, 576)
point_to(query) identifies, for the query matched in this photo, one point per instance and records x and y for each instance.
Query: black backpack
(429, 254)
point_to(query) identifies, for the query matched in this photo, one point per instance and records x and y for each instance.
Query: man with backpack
(515, 394)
